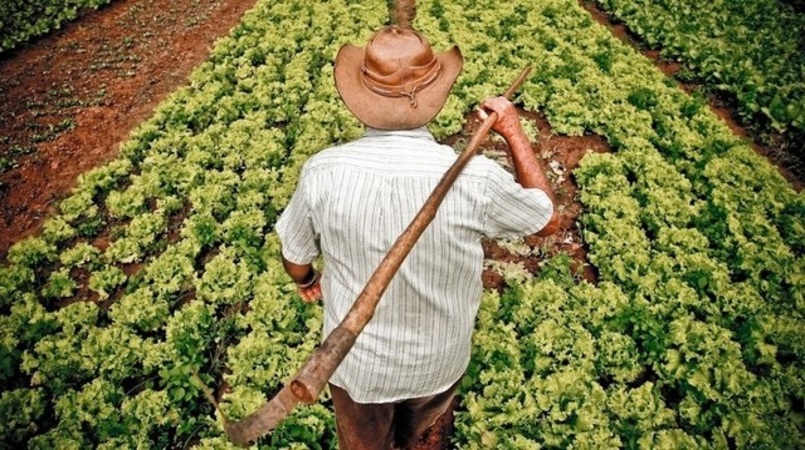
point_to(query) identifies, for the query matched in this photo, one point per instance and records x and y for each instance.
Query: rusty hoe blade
(308, 383)
(266, 418)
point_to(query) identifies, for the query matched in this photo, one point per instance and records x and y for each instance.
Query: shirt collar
(419, 133)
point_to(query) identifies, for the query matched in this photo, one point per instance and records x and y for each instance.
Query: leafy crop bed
(22, 20)
(752, 49)
(163, 262)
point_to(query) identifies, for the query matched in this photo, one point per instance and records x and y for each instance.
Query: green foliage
(617, 356)
(81, 255)
(310, 427)
(31, 252)
(750, 49)
(56, 230)
(27, 323)
(141, 310)
(23, 20)
(56, 360)
(144, 421)
(20, 409)
(128, 203)
(15, 280)
(544, 373)
(94, 406)
(532, 381)
(173, 270)
(114, 351)
(59, 285)
(189, 331)
(101, 412)
(226, 280)
(101, 180)
(106, 281)
(140, 236)
(691, 338)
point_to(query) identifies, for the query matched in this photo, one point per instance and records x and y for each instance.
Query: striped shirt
(351, 204)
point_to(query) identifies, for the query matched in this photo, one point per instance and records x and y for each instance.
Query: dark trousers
(376, 426)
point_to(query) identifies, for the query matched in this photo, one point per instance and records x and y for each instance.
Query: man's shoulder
(322, 156)
(378, 147)
(369, 152)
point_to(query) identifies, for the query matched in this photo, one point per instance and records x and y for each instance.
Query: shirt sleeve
(513, 211)
(295, 227)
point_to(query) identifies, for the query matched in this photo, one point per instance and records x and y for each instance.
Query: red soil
(100, 76)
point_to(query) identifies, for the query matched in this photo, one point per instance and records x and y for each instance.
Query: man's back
(361, 196)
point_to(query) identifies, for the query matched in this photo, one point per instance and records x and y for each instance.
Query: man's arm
(298, 239)
(528, 169)
(306, 279)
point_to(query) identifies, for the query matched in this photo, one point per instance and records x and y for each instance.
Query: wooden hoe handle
(320, 366)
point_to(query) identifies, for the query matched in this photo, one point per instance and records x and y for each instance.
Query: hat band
(426, 74)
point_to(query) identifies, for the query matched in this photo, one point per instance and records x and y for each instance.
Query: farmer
(354, 200)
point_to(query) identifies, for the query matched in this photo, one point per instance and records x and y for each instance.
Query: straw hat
(397, 82)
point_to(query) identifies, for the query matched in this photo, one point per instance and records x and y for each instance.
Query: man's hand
(508, 123)
(310, 291)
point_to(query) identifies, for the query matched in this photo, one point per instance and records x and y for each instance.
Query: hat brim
(393, 113)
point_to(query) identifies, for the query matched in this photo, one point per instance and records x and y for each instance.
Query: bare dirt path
(69, 99)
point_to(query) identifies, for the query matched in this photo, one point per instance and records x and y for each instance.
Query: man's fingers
(496, 104)
(311, 294)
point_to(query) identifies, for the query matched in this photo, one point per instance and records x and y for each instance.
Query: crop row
(185, 212)
(162, 263)
(698, 232)
(751, 49)
(22, 20)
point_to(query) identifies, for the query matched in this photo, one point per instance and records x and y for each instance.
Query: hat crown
(392, 49)
(396, 82)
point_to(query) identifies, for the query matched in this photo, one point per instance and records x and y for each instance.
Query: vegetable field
(163, 262)
(751, 49)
